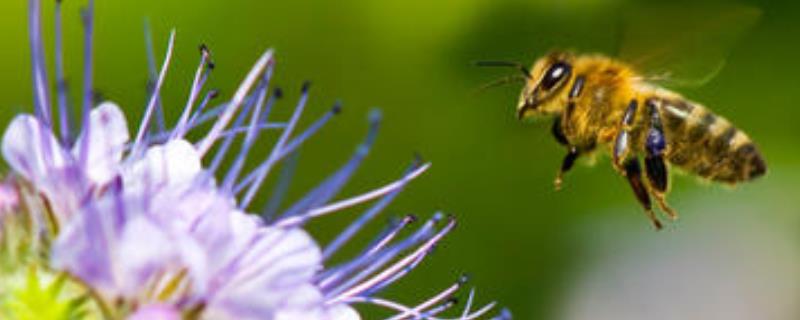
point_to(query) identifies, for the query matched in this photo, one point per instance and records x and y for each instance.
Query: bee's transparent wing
(679, 46)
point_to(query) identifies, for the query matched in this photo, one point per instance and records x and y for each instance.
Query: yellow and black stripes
(708, 145)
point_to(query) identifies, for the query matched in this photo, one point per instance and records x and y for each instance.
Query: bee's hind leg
(633, 172)
(656, 167)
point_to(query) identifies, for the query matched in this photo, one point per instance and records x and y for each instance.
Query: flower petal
(273, 274)
(144, 249)
(156, 312)
(174, 163)
(31, 150)
(107, 134)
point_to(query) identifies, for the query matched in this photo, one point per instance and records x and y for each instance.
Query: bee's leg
(569, 158)
(566, 165)
(634, 174)
(656, 167)
(622, 141)
(574, 92)
(558, 131)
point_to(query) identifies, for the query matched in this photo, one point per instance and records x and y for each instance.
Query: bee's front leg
(656, 167)
(622, 141)
(562, 122)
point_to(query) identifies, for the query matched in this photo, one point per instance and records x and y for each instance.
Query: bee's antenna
(500, 82)
(517, 65)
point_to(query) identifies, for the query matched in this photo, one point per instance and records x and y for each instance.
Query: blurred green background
(575, 254)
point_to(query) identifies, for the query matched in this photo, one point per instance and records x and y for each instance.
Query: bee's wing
(680, 46)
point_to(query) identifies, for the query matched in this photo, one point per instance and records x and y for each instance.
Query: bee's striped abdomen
(708, 145)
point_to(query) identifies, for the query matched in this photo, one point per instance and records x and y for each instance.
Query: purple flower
(154, 226)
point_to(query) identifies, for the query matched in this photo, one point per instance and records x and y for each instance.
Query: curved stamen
(39, 70)
(222, 151)
(263, 62)
(148, 114)
(263, 170)
(358, 224)
(398, 266)
(341, 275)
(200, 76)
(445, 294)
(402, 308)
(249, 138)
(64, 115)
(290, 147)
(197, 116)
(389, 235)
(281, 187)
(152, 75)
(367, 196)
(328, 189)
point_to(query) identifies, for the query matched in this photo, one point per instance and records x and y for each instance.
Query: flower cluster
(98, 223)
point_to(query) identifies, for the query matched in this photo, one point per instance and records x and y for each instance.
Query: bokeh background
(586, 252)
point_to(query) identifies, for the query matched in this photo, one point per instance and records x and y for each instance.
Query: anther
(337, 107)
(463, 279)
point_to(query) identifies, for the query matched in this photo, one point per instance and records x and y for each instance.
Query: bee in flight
(602, 103)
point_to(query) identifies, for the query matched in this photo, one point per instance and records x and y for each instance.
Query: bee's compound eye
(553, 76)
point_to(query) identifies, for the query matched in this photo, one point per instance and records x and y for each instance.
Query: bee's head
(545, 90)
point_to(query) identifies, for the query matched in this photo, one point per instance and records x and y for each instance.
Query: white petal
(281, 258)
(107, 134)
(144, 249)
(342, 312)
(308, 304)
(31, 150)
(156, 312)
(274, 274)
(172, 164)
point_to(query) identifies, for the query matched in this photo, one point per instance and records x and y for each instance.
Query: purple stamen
(417, 315)
(148, 114)
(266, 60)
(257, 127)
(386, 237)
(193, 121)
(468, 305)
(222, 151)
(64, 116)
(379, 287)
(328, 189)
(289, 147)
(364, 197)
(197, 84)
(372, 263)
(444, 306)
(398, 266)
(436, 299)
(281, 187)
(87, 16)
(40, 83)
(311, 130)
(250, 137)
(263, 170)
(152, 74)
(359, 223)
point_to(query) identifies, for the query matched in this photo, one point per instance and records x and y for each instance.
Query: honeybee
(606, 104)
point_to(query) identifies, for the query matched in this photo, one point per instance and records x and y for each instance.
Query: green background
(525, 245)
